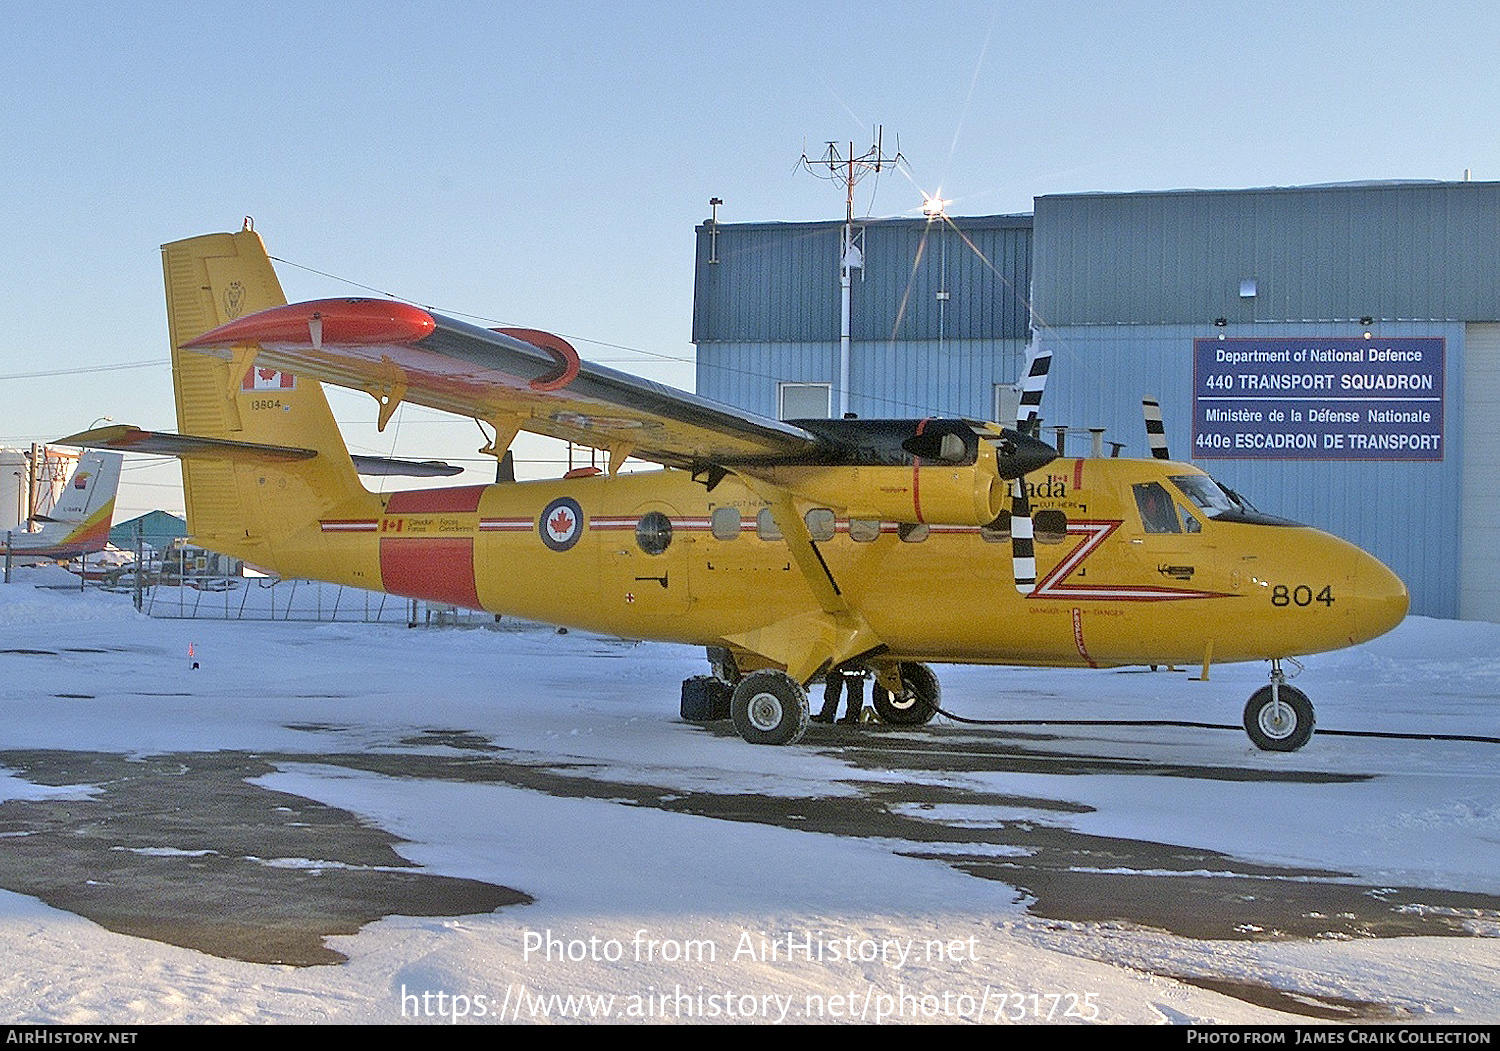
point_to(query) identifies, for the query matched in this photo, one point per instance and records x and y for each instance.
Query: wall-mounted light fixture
(1221, 323)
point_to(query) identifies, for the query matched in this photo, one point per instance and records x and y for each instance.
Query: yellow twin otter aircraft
(789, 549)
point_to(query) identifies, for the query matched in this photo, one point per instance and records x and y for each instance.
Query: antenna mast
(849, 169)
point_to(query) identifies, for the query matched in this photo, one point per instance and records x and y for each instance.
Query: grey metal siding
(1414, 251)
(768, 312)
(886, 379)
(779, 282)
(746, 373)
(1479, 585)
(922, 379)
(770, 285)
(984, 266)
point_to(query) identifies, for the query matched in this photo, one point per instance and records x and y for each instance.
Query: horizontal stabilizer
(135, 440)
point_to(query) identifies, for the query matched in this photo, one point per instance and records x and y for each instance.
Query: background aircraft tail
(81, 519)
(266, 511)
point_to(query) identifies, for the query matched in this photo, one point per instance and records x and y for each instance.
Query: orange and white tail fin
(81, 519)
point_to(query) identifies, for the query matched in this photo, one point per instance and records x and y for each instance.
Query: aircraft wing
(513, 379)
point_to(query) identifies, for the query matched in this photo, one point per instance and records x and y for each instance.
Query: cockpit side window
(1158, 512)
(1204, 492)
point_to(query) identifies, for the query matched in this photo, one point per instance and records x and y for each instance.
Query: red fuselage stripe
(427, 501)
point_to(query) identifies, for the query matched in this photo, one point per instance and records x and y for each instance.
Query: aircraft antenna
(849, 169)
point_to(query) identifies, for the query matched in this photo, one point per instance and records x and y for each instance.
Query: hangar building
(1331, 352)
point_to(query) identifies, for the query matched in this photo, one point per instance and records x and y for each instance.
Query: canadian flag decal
(258, 378)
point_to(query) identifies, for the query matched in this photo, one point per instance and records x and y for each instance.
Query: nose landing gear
(1278, 717)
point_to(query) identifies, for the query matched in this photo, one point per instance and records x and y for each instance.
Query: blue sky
(545, 164)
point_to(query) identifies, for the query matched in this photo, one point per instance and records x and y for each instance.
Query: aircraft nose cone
(1382, 599)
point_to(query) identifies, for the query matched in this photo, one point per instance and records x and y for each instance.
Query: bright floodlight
(934, 207)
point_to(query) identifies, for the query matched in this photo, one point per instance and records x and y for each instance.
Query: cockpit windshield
(1206, 494)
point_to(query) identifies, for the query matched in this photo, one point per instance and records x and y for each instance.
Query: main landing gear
(770, 707)
(1278, 717)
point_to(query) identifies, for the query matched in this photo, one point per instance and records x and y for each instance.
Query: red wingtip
(337, 322)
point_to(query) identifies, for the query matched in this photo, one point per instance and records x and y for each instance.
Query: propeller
(1028, 422)
(1156, 428)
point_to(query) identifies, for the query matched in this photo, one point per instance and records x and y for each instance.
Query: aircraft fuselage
(656, 555)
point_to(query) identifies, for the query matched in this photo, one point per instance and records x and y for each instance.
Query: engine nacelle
(930, 492)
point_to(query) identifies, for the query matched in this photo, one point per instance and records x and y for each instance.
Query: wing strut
(807, 642)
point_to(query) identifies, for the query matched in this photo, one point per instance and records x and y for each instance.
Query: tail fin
(264, 512)
(80, 521)
(91, 491)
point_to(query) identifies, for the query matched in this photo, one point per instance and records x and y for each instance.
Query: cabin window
(998, 531)
(1190, 524)
(1049, 527)
(765, 525)
(912, 532)
(864, 530)
(820, 523)
(653, 532)
(1158, 512)
(724, 523)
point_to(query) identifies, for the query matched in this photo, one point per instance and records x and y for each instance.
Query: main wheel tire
(769, 707)
(1283, 726)
(916, 704)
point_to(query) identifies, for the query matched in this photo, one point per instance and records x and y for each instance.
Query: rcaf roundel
(561, 524)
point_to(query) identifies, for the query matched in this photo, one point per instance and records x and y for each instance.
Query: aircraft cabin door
(1171, 547)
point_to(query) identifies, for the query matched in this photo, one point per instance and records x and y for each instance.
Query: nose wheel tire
(1279, 720)
(917, 702)
(769, 707)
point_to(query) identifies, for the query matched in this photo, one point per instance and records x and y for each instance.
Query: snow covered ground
(641, 911)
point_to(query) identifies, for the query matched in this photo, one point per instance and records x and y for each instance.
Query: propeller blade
(1023, 553)
(1156, 428)
(1029, 412)
(1029, 457)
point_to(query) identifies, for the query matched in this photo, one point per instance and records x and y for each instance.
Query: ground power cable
(1388, 735)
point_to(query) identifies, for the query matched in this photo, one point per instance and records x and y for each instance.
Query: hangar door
(1479, 548)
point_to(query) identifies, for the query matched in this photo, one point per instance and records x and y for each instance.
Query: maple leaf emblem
(560, 523)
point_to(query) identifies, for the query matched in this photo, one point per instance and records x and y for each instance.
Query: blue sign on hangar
(1318, 399)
